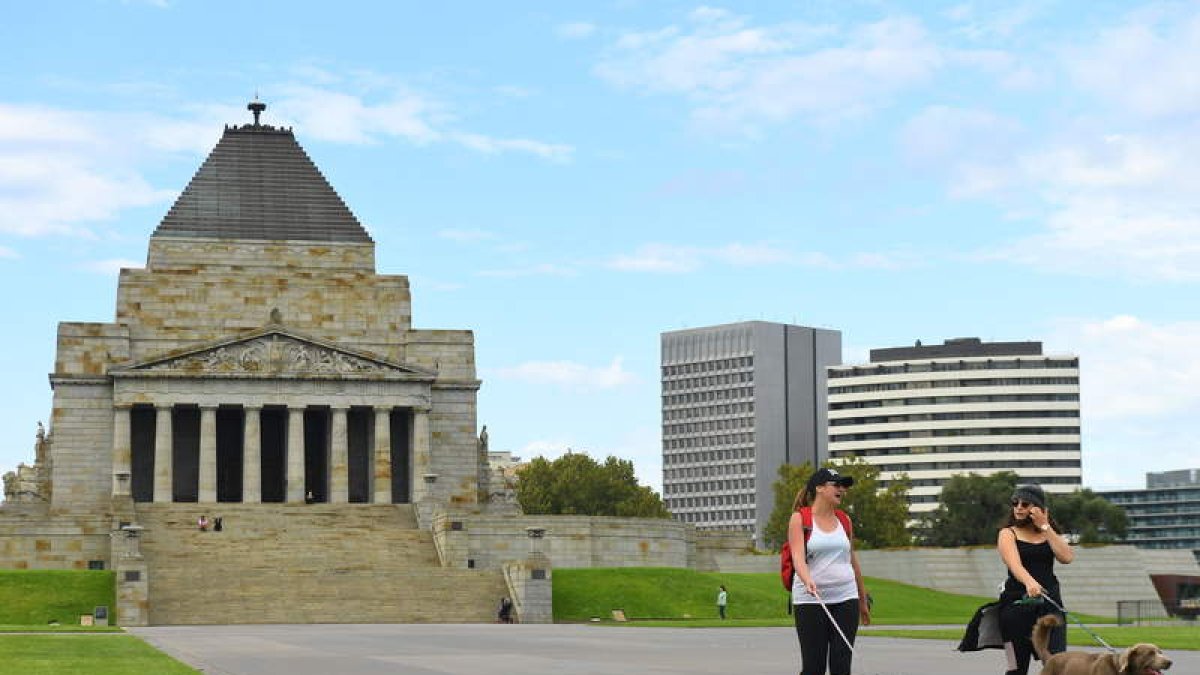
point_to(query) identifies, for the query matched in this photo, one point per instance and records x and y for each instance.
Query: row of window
(746, 439)
(1025, 465)
(927, 367)
(954, 416)
(702, 411)
(711, 500)
(945, 400)
(725, 484)
(677, 476)
(1014, 448)
(725, 379)
(938, 482)
(707, 456)
(708, 366)
(948, 384)
(706, 396)
(947, 433)
(711, 425)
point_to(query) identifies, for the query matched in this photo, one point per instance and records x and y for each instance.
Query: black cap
(1032, 494)
(822, 476)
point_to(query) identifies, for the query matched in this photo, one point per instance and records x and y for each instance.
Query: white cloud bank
(570, 374)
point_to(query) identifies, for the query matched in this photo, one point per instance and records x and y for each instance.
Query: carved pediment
(275, 353)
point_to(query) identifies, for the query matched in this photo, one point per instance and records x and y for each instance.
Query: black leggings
(819, 640)
(1016, 624)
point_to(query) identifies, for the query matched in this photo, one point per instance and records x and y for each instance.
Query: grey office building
(738, 401)
(1164, 515)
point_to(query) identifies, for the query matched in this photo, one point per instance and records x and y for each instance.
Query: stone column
(164, 446)
(122, 451)
(251, 454)
(339, 459)
(421, 450)
(295, 455)
(208, 454)
(381, 478)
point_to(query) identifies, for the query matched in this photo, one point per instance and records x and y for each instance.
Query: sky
(570, 180)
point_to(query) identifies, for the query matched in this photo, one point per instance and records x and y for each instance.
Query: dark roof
(258, 183)
(956, 347)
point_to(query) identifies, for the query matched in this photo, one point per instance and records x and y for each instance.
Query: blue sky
(569, 180)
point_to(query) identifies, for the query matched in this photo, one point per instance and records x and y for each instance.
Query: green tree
(576, 484)
(878, 514)
(970, 511)
(1085, 513)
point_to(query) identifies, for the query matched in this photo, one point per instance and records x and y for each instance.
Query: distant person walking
(202, 523)
(722, 600)
(1029, 543)
(505, 612)
(827, 581)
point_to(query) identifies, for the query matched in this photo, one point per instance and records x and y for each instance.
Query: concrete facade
(1164, 515)
(739, 401)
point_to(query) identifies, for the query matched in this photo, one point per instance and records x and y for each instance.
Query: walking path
(440, 649)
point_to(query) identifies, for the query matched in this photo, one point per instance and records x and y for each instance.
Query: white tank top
(829, 565)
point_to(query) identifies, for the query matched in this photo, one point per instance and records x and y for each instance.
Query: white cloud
(538, 270)
(673, 259)
(1146, 66)
(489, 145)
(948, 137)
(570, 374)
(112, 266)
(1119, 204)
(739, 77)
(465, 236)
(6, 252)
(575, 30)
(1138, 395)
(1133, 369)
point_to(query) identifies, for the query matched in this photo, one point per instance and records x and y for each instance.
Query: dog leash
(1087, 630)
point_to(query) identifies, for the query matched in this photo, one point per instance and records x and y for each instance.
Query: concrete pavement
(491, 649)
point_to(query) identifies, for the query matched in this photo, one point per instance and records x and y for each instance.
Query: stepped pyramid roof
(258, 183)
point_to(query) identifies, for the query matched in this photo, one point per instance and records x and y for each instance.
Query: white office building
(738, 401)
(965, 406)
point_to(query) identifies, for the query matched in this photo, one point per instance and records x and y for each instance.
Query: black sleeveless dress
(1016, 620)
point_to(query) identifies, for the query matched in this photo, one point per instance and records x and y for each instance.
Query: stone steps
(293, 563)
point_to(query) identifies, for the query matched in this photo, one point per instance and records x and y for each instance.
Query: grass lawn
(41, 628)
(37, 597)
(85, 655)
(1167, 637)
(683, 597)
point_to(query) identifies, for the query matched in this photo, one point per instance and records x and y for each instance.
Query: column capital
(123, 405)
(422, 408)
(252, 406)
(343, 407)
(209, 406)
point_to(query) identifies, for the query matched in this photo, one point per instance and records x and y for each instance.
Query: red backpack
(786, 569)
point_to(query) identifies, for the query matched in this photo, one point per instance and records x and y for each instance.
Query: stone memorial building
(260, 371)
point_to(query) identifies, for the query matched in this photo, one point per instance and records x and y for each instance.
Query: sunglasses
(1022, 503)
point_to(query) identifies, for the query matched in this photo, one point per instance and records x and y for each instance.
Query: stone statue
(10, 485)
(483, 441)
(41, 432)
(276, 315)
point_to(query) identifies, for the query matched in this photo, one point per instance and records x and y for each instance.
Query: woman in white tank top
(827, 573)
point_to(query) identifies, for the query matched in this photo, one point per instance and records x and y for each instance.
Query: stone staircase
(298, 563)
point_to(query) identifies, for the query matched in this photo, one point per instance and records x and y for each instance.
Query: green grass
(85, 654)
(1167, 637)
(37, 597)
(680, 597)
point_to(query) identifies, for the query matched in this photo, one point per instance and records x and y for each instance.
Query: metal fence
(1143, 612)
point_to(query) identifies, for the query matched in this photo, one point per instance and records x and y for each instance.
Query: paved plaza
(440, 649)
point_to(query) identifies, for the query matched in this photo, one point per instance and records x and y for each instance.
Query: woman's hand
(809, 585)
(1039, 516)
(864, 612)
(1033, 589)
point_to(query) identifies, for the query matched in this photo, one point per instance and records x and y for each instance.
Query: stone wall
(81, 447)
(38, 542)
(581, 541)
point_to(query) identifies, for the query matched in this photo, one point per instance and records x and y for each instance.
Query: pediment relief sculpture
(274, 354)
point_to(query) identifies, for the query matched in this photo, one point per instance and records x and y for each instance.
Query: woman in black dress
(1029, 543)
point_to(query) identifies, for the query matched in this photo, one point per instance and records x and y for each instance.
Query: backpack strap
(806, 519)
(846, 524)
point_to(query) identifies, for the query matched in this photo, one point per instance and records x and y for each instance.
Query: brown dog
(1140, 659)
